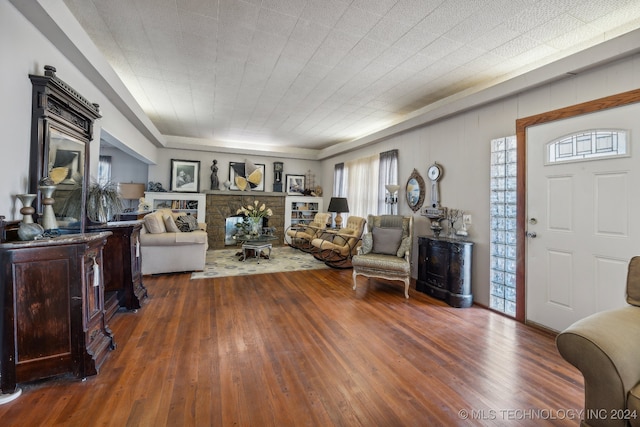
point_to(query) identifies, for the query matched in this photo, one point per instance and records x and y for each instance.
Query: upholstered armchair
(336, 247)
(386, 250)
(605, 347)
(300, 236)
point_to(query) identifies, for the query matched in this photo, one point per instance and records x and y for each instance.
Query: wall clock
(434, 172)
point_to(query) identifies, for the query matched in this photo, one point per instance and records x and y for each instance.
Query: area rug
(225, 262)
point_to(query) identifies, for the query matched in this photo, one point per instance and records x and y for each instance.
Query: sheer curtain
(388, 175)
(104, 169)
(362, 185)
(339, 180)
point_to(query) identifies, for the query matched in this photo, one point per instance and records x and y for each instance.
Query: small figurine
(215, 183)
(143, 205)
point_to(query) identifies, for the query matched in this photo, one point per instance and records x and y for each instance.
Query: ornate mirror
(415, 190)
(61, 129)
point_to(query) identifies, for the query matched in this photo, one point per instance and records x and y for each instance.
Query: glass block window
(588, 145)
(503, 225)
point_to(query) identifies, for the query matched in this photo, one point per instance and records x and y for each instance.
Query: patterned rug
(225, 262)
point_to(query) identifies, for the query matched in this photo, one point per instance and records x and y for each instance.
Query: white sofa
(165, 249)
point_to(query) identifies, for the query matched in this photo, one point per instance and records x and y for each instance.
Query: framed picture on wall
(241, 176)
(295, 184)
(185, 176)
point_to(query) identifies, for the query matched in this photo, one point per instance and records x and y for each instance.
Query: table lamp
(338, 205)
(131, 191)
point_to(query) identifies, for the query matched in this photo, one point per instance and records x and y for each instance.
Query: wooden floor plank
(303, 348)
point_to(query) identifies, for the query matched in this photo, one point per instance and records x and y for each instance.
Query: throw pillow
(170, 224)
(367, 243)
(187, 223)
(404, 246)
(154, 223)
(386, 240)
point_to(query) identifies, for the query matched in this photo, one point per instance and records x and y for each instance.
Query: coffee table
(257, 249)
(255, 246)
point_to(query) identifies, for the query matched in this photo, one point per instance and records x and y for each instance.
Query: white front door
(585, 217)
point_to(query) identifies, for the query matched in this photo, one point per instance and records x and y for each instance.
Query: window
(503, 225)
(587, 145)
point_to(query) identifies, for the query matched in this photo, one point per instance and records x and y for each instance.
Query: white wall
(125, 168)
(26, 51)
(160, 172)
(461, 143)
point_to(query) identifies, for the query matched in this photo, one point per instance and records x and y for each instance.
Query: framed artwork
(295, 184)
(185, 176)
(255, 179)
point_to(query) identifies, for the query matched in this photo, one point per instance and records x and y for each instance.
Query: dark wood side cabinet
(123, 285)
(53, 308)
(444, 269)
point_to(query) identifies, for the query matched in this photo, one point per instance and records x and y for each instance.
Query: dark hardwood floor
(304, 349)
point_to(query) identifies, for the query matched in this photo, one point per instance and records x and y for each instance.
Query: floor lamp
(338, 205)
(392, 197)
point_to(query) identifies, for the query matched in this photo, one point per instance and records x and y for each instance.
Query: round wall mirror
(415, 190)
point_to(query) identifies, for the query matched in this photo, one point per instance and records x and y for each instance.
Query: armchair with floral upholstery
(386, 250)
(336, 247)
(300, 236)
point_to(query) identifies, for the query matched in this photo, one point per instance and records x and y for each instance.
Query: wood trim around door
(618, 100)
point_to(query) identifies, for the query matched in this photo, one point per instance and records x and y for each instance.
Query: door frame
(612, 101)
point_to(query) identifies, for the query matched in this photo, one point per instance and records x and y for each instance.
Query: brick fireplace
(224, 204)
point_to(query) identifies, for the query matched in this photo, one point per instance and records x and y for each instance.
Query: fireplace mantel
(223, 204)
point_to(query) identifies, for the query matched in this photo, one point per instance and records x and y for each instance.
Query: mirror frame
(415, 175)
(58, 108)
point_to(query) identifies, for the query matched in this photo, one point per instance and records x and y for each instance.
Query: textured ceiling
(313, 73)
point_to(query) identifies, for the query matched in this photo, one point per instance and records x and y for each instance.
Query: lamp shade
(338, 204)
(130, 191)
(392, 188)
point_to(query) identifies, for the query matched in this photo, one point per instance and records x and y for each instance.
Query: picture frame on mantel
(185, 176)
(295, 184)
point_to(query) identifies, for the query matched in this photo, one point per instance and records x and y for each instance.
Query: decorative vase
(255, 226)
(27, 210)
(28, 230)
(48, 215)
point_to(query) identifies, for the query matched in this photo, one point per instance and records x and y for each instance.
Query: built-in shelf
(189, 203)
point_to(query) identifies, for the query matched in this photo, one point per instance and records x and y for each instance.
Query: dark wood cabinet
(444, 269)
(53, 308)
(123, 285)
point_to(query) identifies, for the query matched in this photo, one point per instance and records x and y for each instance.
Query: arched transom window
(588, 145)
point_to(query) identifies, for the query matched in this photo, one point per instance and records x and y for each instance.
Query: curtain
(362, 185)
(104, 169)
(388, 174)
(339, 180)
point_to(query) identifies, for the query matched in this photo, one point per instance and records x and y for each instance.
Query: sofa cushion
(154, 223)
(187, 223)
(386, 240)
(170, 224)
(198, 237)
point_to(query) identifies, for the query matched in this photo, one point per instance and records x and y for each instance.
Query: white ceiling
(309, 74)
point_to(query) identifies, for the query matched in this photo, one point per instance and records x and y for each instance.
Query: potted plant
(103, 202)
